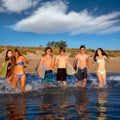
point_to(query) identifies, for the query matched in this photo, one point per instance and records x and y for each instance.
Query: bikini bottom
(19, 75)
(102, 72)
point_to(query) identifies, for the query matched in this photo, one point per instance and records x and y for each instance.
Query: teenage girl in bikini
(99, 58)
(19, 71)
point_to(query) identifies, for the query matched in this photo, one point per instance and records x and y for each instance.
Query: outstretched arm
(25, 60)
(39, 66)
(74, 62)
(88, 63)
(107, 59)
(56, 62)
(53, 64)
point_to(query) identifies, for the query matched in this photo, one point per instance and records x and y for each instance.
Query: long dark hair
(102, 51)
(19, 53)
(12, 57)
(6, 57)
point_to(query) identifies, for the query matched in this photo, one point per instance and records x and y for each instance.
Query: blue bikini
(19, 75)
(21, 63)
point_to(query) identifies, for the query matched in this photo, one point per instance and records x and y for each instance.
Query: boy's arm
(56, 62)
(74, 61)
(39, 66)
(53, 64)
(88, 63)
(67, 59)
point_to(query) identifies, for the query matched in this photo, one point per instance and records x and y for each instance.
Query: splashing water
(34, 83)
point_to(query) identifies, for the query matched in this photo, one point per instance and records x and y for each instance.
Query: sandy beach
(113, 66)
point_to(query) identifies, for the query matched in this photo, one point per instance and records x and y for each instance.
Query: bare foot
(78, 84)
(64, 83)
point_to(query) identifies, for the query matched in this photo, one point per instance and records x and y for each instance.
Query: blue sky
(95, 23)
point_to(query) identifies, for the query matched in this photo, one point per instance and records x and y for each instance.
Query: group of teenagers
(15, 69)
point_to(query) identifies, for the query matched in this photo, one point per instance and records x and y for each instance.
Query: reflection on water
(48, 104)
(101, 107)
(13, 109)
(16, 109)
(64, 104)
(59, 103)
(82, 102)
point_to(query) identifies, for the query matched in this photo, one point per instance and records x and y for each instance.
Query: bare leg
(64, 83)
(58, 82)
(84, 82)
(100, 80)
(9, 79)
(14, 82)
(78, 83)
(23, 83)
(104, 78)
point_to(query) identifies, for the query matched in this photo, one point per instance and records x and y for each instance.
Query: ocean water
(46, 101)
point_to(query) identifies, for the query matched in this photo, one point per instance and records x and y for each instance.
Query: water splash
(34, 83)
(115, 77)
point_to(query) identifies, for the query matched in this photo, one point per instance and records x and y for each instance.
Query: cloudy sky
(95, 23)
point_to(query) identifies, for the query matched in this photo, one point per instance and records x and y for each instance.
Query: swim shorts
(61, 74)
(82, 73)
(48, 76)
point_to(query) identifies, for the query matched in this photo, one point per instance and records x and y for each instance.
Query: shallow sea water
(53, 102)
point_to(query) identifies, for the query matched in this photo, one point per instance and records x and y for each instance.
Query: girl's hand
(9, 68)
(94, 63)
(107, 59)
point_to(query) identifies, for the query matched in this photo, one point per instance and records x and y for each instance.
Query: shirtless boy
(61, 63)
(82, 60)
(48, 61)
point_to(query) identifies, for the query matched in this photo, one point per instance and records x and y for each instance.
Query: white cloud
(18, 5)
(1, 9)
(52, 18)
(110, 30)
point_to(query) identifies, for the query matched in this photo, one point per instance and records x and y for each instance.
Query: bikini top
(20, 63)
(100, 60)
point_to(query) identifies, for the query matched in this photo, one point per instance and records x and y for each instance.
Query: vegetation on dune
(1, 49)
(113, 53)
(57, 44)
(70, 51)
